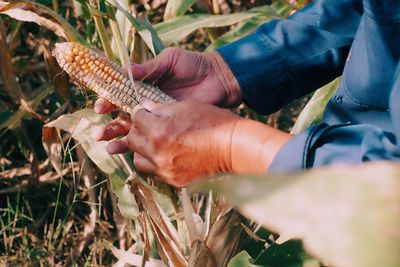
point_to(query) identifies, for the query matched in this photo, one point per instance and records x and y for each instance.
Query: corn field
(64, 201)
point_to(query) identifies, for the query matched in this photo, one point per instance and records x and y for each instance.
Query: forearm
(254, 146)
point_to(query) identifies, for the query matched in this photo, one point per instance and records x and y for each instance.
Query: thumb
(148, 104)
(153, 69)
(157, 109)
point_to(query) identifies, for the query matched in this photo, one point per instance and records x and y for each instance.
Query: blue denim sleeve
(350, 144)
(286, 59)
(363, 122)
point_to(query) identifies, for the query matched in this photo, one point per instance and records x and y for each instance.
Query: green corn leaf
(144, 28)
(175, 30)
(315, 108)
(246, 28)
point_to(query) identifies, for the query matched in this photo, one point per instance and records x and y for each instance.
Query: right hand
(179, 146)
(187, 75)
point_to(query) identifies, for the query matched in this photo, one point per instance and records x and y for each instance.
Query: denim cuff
(255, 66)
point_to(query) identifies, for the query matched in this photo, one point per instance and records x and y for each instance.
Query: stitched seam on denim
(347, 93)
(307, 146)
(396, 12)
(390, 18)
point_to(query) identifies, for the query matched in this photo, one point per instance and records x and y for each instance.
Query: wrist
(228, 80)
(254, 146)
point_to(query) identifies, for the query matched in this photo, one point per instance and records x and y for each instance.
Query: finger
(160, 110)
(137, 142)
(155, 68)
(136, 109)
(150, 71)
(143, 120)
(102, 106)
(142, 164)
(117, 147)
(115, 128)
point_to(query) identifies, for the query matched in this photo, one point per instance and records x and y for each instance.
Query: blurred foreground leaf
(345, 215)
(81, 124)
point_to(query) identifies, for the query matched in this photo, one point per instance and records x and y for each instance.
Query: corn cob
(107, 79)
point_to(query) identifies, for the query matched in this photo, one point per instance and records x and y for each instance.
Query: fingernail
(137, 70)
(110, 148)
(147, 103)
(136, 109)
(98, 107)
(97, 133)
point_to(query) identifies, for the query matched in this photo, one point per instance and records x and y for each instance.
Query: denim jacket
(287, 59)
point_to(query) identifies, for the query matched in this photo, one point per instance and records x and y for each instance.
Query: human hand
(187, 140)
(177, 142)
(183, 74)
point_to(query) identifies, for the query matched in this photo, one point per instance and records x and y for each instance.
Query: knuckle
(130, 140)
(138, 164)
(170, 50)
(159, 135)
(163, 163)
(183, 105)
(171, 54)
(179, 183)
(156, 137)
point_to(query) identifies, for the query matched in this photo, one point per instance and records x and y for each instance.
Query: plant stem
(101, 30)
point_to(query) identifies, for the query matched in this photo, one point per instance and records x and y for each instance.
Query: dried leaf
(170, 250)
(80, 124)
(42, 15)
(27, 108)
(164, 231)
(51, 140)
(29, 16)
(201, 255)
(7, 73)
(192, 222)
(135, 259)
(226, 236)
